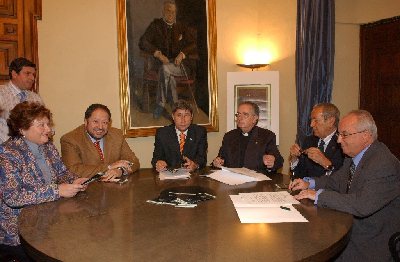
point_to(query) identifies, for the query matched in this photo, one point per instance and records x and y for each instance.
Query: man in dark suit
(171, 43)
(96, 147)
(249, 145)
(181, 143)
(366, 186)
(320, 153)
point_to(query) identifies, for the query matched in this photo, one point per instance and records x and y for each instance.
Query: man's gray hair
(255, 107)
(329, 110)
(365, 122)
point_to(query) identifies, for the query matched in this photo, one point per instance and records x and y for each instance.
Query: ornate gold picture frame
(137, 92)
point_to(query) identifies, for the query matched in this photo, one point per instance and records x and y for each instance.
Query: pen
(285, 208)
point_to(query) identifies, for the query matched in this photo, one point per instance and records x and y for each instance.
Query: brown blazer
(81, 157)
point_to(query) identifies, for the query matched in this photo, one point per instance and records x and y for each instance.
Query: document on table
(263, 199)
(266, 207)
(237, 176)
(180, 173)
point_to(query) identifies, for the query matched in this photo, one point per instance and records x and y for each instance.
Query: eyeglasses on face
(344, 135)
(243, 115)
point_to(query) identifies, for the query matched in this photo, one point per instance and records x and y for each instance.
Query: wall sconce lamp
(252, 66)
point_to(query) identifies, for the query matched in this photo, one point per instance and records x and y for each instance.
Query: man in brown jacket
(96, 147)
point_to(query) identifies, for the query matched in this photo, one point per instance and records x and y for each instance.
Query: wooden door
(18, 33)
(380, 78)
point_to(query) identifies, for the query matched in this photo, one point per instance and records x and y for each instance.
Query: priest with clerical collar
(249, 146)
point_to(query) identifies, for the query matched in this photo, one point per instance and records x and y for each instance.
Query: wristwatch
(329, 168)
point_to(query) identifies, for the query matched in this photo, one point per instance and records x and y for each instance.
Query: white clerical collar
(169, 24)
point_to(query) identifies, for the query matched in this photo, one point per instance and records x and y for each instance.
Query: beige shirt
(8, 100)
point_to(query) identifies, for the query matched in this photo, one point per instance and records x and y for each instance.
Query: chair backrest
(394, 246)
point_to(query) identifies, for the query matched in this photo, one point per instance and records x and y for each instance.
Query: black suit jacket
(307, 167)
(262, 141)
(156, 38)
(373, 200)
(166, 146)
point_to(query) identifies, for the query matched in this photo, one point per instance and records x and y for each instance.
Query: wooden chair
(184, 83)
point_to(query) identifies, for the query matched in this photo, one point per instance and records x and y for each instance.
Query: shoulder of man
(263, 131)
(5, 89)
(74, 134)
(197, 128)
(232, 133)
(378, 153)
(116, 132)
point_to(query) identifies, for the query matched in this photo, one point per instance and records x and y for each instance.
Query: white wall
(78, 58)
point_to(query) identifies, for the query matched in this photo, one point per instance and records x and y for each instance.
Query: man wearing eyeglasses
(366, 186)
(320, 153)
(249, 146)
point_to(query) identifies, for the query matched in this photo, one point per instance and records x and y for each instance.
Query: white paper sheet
(247, 172)
(269, 215)
(229, 177)
(263, 199)
(180, 173)
(266, 207)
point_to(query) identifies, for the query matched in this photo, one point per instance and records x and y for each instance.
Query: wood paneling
(18, 33)
(380, 78)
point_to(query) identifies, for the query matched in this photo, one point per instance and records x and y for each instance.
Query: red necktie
(181, 141)
(97, 146)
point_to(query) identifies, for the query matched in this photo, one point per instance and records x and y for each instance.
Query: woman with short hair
(31, 172)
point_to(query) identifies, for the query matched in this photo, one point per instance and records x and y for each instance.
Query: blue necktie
(321, 145)
(22, 96)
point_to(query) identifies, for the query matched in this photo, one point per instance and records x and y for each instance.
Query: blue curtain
(315, 50)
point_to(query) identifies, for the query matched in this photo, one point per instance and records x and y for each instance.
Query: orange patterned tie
(97, 146)
(181, 141)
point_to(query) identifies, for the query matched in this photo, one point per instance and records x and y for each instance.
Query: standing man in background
(321, 153)
(96, 147)
(22, 74)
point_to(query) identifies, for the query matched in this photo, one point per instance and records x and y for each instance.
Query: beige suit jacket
(81, 157)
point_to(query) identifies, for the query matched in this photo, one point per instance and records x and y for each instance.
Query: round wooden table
(112, 222)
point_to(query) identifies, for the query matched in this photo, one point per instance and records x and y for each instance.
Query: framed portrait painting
(167, 53)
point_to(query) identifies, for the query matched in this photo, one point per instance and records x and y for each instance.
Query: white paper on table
(263, 199)
(180, 173)
(269, 215)
(230, 178)
(247, 172)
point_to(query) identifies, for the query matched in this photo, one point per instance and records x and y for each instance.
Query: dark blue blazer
(307, 167)
(166, 146)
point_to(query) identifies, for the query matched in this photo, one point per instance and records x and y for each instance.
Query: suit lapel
(93, 154)
(189, 140)
(107, 143)
(361, 165)
(331, 147)
(173, 139)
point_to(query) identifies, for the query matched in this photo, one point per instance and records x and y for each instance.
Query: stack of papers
(237, 176)
(266, 207)
(179, 173)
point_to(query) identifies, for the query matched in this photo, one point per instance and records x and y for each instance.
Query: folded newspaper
(178, 173)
